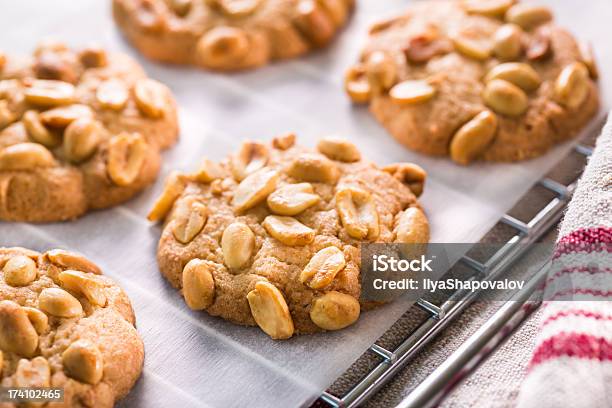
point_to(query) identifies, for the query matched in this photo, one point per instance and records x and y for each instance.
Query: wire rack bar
(439, 383)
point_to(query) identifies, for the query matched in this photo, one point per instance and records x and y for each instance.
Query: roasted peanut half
(237, 244)
(539, 46)
(34, 373)
(587, 56)
(473, 45)
(198, 284)
(517, 73)
(339, 149)
(507, 42)
(112, 94)
(81, 139)
(356, 84)
(254, 189)
(83, 361)
(44, 92)
(412, 92)
(334, 311)
(284, 142)
(38, 132)
(20, 271)
(93, 57)
(473, 137)
(126, 156)
(222, 46)
(150, 97)
(490, 8)
(72, 260)
(572, 85)
(65, 115)
(528, 16)
(412, 227)
(292, 199)
(410, 174)
(235, 8)
(189, 219)
(313, 22)
(505, 98)
(180, 7)
(208, 172)
(270, 311)
(323, 267)
(288, 230)
(358, 213)
(84, 284)
(381, 71)
(57, 302)
(7, 116)
(173, 188)
(18, 335)
(314, 168)
(251, 157)
(39, 320)
(25, 156)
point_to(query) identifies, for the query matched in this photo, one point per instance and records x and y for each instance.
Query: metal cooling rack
(487, 337)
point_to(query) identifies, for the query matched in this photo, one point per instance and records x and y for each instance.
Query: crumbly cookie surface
(229, 34)
(79, 130)
(271, 236)
(492, 80)
(63, 324)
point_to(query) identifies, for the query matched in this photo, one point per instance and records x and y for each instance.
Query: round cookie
(229, 35)
(271, 236)
(78, 131)
(65, 325)
(491, 80)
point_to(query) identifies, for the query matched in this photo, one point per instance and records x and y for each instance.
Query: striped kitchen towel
(571, 365)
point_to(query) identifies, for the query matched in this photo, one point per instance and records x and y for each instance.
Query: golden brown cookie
(271, 236)
(229, 34)
(65, 325)
(79, 130)
(492, 80)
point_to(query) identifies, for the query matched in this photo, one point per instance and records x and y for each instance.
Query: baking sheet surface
(193, 360)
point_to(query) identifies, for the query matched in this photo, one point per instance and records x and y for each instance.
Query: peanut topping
(412, 227)
(358, 213)
(334, 311)
(173, 188)
(237, 243)
(270, 311)
(588, 58)
(505, 98)
(507, 42)
(251, 157)
(424, 47)
(83, 361)
(539, 47)
(25, 156)
(59, 303)
(572, 85)
(17, 334)
(208, 172)
(222, 46)
(473, 137)
(284, 142)
(312, 21)
(72, 260)
(356, 84)
(65, 115)
(126, 156)
(292, 199)
(489, 8)
(38, 132)
(84, 284)
(180, 7)
(198, 284)
(93, 57)
(314, 168)
(236, 8)
(288, 230)
(81, 139)
(339, 149)
(150, 97)
(33, 373)
(189, 219)
(49, 93)
(39, 320)
(409, 173)
(20, 271)
(473, 45)
(528, 16)
(254, 189)
(112, 94)
(518, 73)
(412, 92)
(381, 71)
(323, 267)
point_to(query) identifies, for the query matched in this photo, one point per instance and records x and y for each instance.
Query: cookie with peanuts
(271, 236)
(492, 80)
(79, 130)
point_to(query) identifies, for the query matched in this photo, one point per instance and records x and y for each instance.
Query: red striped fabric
(571, 344)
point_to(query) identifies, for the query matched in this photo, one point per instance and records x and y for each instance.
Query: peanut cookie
(63, 324)
(491, 80)
(271, 236)
(229, 34)
(78, 131)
